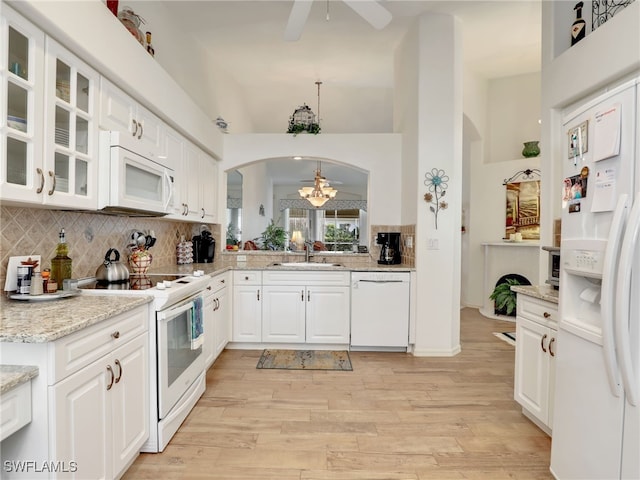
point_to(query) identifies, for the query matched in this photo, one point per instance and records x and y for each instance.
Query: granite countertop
(543, 292)
(40, 322)
(12, 376)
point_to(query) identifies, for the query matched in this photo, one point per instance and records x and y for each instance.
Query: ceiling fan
(374, 13)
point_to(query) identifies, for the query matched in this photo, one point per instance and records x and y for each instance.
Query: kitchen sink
(309, 265)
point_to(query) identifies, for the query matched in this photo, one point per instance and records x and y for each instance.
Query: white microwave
(130, 183)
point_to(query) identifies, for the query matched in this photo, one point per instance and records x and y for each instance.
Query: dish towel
(197, 327)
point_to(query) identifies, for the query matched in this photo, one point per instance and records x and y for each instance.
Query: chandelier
(320, 192)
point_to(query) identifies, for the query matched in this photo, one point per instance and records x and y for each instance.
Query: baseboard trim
(432, 352)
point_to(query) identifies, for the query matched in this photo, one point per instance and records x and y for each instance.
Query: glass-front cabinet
(49, 120)
(71, 129)
(21, 108)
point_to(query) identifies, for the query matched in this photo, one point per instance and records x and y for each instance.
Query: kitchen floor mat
(509, 337)
(305, 360)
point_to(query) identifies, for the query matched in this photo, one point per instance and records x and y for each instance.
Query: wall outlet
(432, 244)
(241, 258)
(409, 242)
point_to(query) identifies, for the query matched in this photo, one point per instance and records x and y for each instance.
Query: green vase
(531, 149)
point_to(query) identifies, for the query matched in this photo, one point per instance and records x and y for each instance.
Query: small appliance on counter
(390, 248)
(553, 278)
(204, 247)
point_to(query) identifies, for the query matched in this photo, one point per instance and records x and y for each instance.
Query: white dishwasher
(380, 310)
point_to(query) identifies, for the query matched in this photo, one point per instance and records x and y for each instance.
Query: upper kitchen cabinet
(21, 108)
(50, 133)
(199, 177)
(120, 112)
(71, 129)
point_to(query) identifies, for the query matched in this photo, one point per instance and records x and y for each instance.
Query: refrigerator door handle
(623, 302)
(608, 294)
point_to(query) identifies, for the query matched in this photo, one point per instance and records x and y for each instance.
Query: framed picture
(523, 209)
(578, 139)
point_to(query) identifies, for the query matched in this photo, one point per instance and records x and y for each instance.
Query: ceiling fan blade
(374, 13)
(297, 19)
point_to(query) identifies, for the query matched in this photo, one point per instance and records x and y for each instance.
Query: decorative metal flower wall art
(436, 183)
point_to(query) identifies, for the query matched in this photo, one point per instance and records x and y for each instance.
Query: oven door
(178, 363)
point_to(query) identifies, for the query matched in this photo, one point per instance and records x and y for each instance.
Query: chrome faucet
(307, 252)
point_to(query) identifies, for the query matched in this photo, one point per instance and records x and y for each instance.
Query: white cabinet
(247, 306)
(21, 108)
(71, 130)
(284, 314)
(199, 179)
(222, 318)
(217, 323)
(536, 333)
(93, 399)
(99, 413)
(208, 308)
(328, 314)
(49, 120)
(306, 307)
(120, 112)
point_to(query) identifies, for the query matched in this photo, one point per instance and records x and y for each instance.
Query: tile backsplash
(34, 231)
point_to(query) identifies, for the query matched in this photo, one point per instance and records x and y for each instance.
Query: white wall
(379, 154)
(405, 109)
(257, 190)
(513, 115)
(437, 62)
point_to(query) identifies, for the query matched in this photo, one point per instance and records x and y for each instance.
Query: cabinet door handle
(258, 292)
(135, 128)
(546, 315)
(141, 130)
(217, 304)
(41, 173)
(308, 295)
(551, 342)
(544, 337)
(117, 362)
(203, 212)
(53, 184)
(110, 370)
(116, 334)
(222, 281)
(209, 287)
(302, 295)
(185, 209)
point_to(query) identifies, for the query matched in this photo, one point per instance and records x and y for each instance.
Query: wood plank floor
(395, 417)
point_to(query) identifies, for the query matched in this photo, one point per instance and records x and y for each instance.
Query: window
(337, 229)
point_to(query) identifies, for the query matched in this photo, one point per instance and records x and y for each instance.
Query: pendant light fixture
(320, 192)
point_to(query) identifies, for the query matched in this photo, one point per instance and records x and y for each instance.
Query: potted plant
(274, 237)
(504, 297)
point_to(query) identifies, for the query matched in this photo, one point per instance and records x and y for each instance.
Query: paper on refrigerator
(606, 134)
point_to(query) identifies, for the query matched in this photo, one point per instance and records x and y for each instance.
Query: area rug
(509, 337)
(305, 360)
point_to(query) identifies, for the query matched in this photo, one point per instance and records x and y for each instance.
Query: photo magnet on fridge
(575, 189)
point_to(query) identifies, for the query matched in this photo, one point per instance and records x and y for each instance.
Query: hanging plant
(436, 183)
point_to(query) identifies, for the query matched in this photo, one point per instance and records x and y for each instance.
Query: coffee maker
(390, 248)
(204, 247)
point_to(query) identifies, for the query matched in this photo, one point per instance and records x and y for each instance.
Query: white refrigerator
(596, 426)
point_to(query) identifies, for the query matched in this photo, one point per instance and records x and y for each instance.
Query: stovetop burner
(135, 282)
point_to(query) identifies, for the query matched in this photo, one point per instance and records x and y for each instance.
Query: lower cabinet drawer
(75, 351)
(537, 310)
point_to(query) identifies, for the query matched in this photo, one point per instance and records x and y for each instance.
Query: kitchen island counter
(40, 322)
